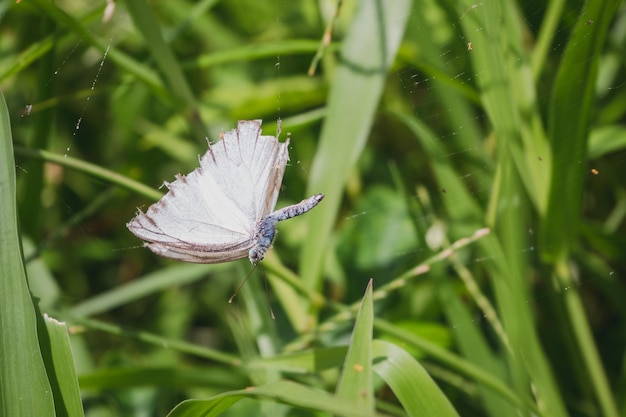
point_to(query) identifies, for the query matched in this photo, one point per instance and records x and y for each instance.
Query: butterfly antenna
(267, 294)
(232, 297)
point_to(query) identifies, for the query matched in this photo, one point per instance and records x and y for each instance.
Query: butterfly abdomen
(266, 228)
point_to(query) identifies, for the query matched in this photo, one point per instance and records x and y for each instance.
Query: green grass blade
(528, 364)
(175, 377)
(157, 340)
(26, 58)
(65, 382)
(24, 386)
(366, 55)
(356, 383)
(152, 283)
(572, 105)
(147, 23)
(255, 52)
(549, 26)
(570, 114)
(470, 211)
(150, 27)
(409, 381)
(458, 364)
(473, 344)
(498, 58)
(606, 139)
(33, 184)
(283, 391)
(91, 169)
(309, 361)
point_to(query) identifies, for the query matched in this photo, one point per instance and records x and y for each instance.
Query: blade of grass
(27, 57)
(309, 361)
(254, 52)
(409, 381)
(572, 105)
(150, 27)
(316, 360)
(497, 58)
(356, 383)
(146, 337)
(65, 383)
(549, 26)
(187, 15)
(472, 342)
(366, 55)
(141, 287)
(24, 386)
(452, 92)
(91, 169)
(344, 313)
(495, 28)
(32, 184)
(469, 214)
(285, 392)
(127, 377)
(34, 51)
(606, 139)
(570, 113)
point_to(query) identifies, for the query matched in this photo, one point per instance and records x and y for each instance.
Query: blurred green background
(422, 121)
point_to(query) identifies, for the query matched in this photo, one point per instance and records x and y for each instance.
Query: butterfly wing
(263, 159)
(210, 215)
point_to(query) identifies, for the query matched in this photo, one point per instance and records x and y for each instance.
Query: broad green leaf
(24, 386)
(366, 55)
(409, 381)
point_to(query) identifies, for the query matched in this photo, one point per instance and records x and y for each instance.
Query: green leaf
(366, 55)
(283, 391)
(160, 280)
(91, 169)
(309, 361)
(24, 386)
(571, 107)
(356, 383)
(409, 381)
(606, 139)
(147, 23)
(65, 383)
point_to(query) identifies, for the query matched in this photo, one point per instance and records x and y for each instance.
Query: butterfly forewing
(211, 214)
(264, 160)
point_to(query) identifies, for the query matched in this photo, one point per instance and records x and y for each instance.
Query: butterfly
(224, 209)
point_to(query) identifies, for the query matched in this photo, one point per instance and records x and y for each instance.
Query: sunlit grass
(472, 160)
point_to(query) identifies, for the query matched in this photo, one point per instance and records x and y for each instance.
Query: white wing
(210, 215)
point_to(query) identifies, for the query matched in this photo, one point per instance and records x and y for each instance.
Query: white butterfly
(223, 210)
